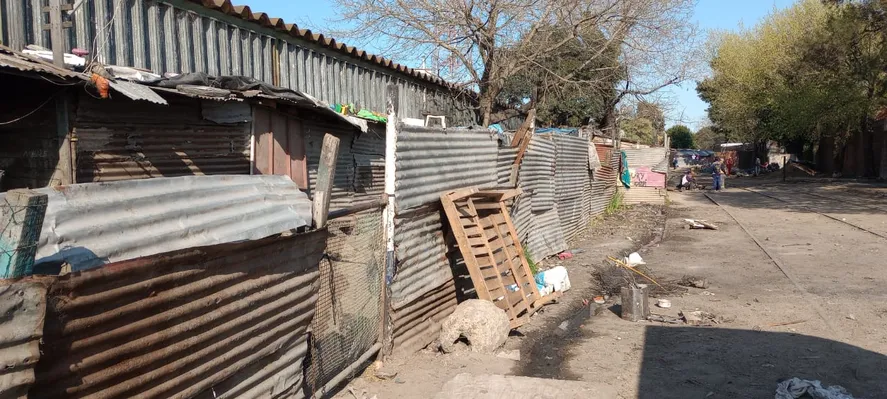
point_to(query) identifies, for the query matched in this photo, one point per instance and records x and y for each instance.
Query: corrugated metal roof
(87, 225)
(16, 60)
(225, 321)
(136, 91)
(431, 161)
(22, 304)
(278, 24)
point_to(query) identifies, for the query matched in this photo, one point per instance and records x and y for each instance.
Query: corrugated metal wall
(537, 172)
(546, 237)
(369, 164)
(22, 304)
(421, 255)
(572, 179)
(227, 321)
(125, 139)
(88, 225)
(180, 36)
(416, 324)
(343, 185)
(431, 161)
(504, 165)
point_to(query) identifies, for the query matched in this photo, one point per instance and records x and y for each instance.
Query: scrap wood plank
(494, 257)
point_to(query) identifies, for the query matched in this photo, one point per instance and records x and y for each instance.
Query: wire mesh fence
(21, 220)
(347, 322)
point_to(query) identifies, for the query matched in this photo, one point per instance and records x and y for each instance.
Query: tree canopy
(809, 75)
(681, 137)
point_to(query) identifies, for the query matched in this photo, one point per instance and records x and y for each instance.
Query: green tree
(567, 103)
(681, 137)
(639, 130)
(810, 75)
(708, 138)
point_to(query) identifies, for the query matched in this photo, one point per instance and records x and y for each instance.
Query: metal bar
(338, 213)
(349, 371)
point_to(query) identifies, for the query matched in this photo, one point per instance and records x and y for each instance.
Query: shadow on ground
(691, 362)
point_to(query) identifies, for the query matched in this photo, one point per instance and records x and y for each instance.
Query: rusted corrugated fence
(225, 321)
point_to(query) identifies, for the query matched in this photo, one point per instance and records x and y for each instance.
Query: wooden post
(56, 33)
(392, 106)
(326, 177)
(21, 221)
(64, 171)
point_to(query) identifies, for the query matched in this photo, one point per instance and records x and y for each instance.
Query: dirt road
(797, 282)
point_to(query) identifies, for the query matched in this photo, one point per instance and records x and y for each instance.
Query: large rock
(484, 325)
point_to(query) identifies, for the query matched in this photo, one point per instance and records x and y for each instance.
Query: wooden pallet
(493, 255)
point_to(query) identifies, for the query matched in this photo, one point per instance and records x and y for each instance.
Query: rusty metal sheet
(431, 161)
(125, 140)
(417, 324)
(228, 320)
(22, 304)
(421, 255)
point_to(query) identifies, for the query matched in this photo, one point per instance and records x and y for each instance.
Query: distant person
(729, 163)
(686, 181)
(674, 163)
(757, 166)
(717, 174)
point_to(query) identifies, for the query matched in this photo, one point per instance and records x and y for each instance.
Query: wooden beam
(326, 177)
(21, 220)
(525, 128)
(56, 33)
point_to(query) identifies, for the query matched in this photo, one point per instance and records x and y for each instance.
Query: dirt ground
(797, 286)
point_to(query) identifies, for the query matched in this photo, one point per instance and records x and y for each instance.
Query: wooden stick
(326, 176)
(620, 263)
(788, 323)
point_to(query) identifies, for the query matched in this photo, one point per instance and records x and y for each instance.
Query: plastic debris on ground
(795, 388)
(552, 280)
(634, 259)
(700, 224)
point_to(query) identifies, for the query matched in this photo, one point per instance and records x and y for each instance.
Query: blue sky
(688, 108)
